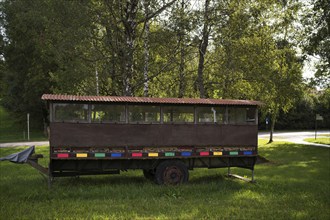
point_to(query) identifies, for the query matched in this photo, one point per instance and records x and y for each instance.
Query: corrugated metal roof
(128, 99)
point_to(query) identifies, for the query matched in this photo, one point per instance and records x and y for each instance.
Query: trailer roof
(146, 100)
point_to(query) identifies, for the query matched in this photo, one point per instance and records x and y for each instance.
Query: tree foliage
(237, 49)
(318, 40)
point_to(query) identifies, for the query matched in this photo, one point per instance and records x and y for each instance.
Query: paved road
(16, 144)
(294, 137)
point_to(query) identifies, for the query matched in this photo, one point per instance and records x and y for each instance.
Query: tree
(237, 49)
(255, 58)
(202, 48)
(2, 62)
(146, 5)
(119, 24)
(44, 44)
(288, 69)
(318, 40)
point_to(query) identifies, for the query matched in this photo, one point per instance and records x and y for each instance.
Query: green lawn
(12, 131)
(319, 140)
(295, 185)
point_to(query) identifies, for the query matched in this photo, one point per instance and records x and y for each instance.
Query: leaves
(238, 49)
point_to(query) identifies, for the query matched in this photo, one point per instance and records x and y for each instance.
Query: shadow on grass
(138, 179)
(113, 180)
(207, 178)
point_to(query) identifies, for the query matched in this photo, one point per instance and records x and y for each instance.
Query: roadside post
(28, 126)
(318, 117)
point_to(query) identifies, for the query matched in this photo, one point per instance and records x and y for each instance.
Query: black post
(315, 127)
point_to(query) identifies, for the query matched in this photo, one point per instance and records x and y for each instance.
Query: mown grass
(295, 185)
(12, 131)
(319, 140)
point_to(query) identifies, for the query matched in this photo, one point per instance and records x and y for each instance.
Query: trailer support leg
(252, 180)
(50, 178)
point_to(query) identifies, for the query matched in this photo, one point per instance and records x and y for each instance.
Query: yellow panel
(81, 155)
(153, 154)
(217, 153)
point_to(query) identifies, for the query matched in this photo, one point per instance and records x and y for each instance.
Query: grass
(295, 185)
(319, 140)
(12, 131)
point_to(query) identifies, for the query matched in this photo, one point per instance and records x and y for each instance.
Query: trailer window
(241, 116)
(108, 113)
(143, 114)
(71, 112)
(178, 114)
(251, 116)
(210, 114)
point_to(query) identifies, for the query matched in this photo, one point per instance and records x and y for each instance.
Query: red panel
(136, 154)
(204, 153)
(62, 155)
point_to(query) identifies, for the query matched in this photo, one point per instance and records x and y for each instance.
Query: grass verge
(320, 140)
(12, 131)
(295, 185)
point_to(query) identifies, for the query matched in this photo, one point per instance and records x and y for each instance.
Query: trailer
(164, 137)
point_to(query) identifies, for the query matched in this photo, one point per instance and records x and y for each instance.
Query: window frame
(128, 121)
(108, 121)
(246, 122)
(211, 122)
(161, 107)
(54, 119)
(180, 122)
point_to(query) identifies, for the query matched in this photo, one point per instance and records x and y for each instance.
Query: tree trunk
(130, 22)
(130, 35)
(146, 49)
(272, 126)
(114, 83)
(202, 50)
(182, 82)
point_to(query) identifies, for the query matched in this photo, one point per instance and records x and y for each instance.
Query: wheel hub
(173, 175)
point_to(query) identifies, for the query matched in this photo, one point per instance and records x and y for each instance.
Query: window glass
(144, 114)
(71, 112)
(210, 114)
(241, 115)
(178, 114)
(108, 113)
(251, 115)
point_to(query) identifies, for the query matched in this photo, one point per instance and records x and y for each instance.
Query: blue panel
(185, 154)
(115, 154)
(247, 152)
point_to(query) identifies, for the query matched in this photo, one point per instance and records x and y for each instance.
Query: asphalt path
(297, 137)
(293, 137)
(16, 144)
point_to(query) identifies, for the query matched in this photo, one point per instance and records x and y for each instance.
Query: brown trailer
(164, 137)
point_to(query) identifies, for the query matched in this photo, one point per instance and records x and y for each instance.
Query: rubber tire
(171, 172)
(149, 174)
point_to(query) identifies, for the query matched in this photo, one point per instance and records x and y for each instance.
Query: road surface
(294, 137)
(16, 144)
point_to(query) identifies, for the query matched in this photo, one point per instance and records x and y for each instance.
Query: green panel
(99, 155)
(169, 154)
(234, 153)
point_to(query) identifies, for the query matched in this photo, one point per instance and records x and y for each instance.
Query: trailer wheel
(171, 173)
(149, 174)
